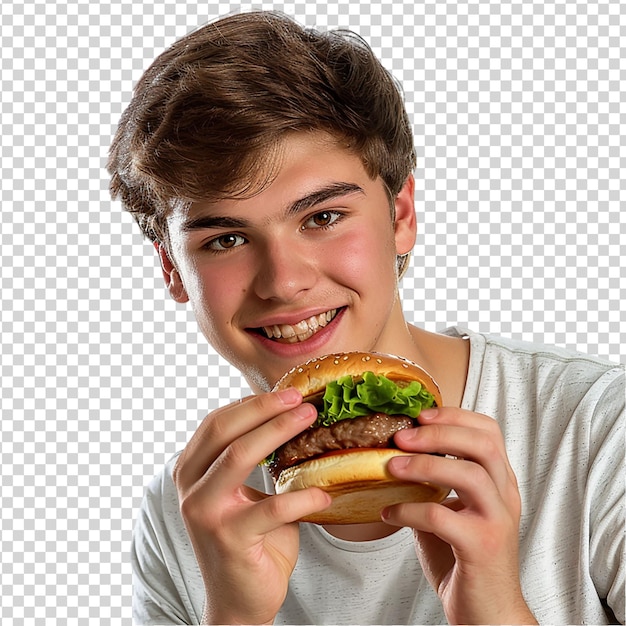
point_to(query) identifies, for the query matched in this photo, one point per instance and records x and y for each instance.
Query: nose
(285, 271)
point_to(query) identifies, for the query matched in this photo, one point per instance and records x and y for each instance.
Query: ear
(172, 277)
(405, 225)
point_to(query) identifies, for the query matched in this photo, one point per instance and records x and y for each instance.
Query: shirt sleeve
(159, 556)
(605, 493)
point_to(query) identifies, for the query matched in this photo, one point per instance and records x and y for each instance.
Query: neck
(446, 359)
(361, 532)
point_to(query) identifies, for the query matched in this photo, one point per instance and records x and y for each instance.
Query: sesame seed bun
(356, 478)
(312, 377)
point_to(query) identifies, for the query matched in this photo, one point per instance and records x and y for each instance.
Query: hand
(468, 545)
(245, 542)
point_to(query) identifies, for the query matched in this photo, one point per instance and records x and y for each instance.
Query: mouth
(303, 330)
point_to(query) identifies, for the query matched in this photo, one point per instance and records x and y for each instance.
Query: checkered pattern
(516, 108)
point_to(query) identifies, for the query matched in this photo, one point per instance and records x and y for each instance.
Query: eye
(225, 242)
(323, 219)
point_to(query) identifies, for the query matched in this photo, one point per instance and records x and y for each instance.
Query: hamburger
(363, 399)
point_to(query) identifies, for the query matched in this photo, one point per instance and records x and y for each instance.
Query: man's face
(303, 268)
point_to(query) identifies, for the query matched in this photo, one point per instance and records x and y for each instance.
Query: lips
(303, 330)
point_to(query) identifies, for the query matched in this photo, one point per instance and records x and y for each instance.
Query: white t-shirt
(562, 416)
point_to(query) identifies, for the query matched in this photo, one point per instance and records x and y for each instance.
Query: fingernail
(289, 396)
(399, 462)
(407, 434)
(304, 411)
(429, 414)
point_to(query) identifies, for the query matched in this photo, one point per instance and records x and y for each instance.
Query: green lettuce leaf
(346, 398)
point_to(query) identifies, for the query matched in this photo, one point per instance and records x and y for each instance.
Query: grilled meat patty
(371, 431)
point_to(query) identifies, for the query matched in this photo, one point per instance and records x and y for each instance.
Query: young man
(272, 168)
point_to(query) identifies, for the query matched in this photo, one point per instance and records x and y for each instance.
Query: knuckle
(429, 514)
(427, 463)
(178, 473)
(277, 507)
(191, 511)
(433, 433)
(235, 454)
(215, 425)
(490, 447)
(491, 426)
(187, 506)
(476, 474)
(264, 402)
(433, 514)
(202, 512)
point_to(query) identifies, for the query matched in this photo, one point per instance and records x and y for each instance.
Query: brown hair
(208, 114)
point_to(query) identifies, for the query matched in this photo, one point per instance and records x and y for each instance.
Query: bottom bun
(359, 484)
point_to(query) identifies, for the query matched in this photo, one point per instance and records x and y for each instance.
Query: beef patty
(371, 431)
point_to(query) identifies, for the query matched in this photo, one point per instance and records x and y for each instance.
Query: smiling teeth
(301, 331)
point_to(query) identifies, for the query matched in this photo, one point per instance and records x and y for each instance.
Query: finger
(240, 457)
(458, 417)
(468, 479)
(221, 427)
(462, 434)
(427, 517)
(469, 444)
(221, 491)
(468, 534)
(276, 511)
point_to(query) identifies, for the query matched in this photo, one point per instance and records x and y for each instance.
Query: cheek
(364, 256)
(213, 295)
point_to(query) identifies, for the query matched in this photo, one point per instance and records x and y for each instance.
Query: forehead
(304, 170)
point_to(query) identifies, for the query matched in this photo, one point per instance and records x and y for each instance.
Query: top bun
(313, 376)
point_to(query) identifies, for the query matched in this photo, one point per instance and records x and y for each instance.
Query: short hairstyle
(208, 114)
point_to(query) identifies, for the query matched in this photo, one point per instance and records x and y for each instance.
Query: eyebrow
(329, 192)
(319, 196)
(212, 221)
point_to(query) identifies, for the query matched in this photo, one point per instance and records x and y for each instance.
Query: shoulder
(513, 379)
(555, 372)
(542, 366)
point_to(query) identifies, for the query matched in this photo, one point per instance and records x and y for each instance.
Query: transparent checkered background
(518, 110)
